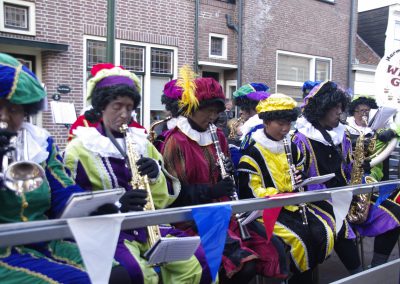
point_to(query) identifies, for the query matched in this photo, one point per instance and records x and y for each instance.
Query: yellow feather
(188, 85)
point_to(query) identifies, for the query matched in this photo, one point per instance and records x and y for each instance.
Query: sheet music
(172, 249)
(312, 180)
(83, 203)
(63, 113)
(381, 117)
(317, 179)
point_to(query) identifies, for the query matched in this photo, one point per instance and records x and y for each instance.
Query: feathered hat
(198, 92)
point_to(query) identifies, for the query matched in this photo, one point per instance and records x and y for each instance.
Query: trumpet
(18, 173)
(303, 206)
(244, 234)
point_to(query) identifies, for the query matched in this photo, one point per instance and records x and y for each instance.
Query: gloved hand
(386, 135)
(148, 166)
(107, 208)
(224, 187)
(366, 167)
(133, 200)
(230, 169)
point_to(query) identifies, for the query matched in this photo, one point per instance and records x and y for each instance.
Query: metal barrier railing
(38, 231)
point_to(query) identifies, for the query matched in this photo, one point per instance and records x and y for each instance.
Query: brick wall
(309, 27)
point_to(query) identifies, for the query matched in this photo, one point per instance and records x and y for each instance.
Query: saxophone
(152, 132)
(140, 182)
(232, 128)
(359, 207)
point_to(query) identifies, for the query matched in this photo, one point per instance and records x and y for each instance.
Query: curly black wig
(288, 115)
(172, 105)
(326, 98)
(101, 97)
(370, 102)
(245, 104)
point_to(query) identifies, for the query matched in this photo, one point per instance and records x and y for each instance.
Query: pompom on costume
(41, 262)
(190, 156)
(264, 171)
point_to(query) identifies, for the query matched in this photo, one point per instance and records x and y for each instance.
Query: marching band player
(323, 141)
(58, 261)
(247, 98)
(97, 158)
(190, 155)
(264, 170)
(382, 221)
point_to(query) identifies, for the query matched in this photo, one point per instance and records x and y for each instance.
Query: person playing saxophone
(382, 222)
(100, 158)
(267, 168)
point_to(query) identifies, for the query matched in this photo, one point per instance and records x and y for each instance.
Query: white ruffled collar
(36, 142)
(249, 124)
(306, 128)
(202, 138)
(95, 142)
(352, 124)
(273, 146)
(172, 123)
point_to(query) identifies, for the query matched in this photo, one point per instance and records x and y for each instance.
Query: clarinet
(303, 206)
(244, 234)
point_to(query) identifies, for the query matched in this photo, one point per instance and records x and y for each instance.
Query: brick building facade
(283, 44)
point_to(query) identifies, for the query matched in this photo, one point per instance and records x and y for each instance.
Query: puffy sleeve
(61, 184)
(250, 181)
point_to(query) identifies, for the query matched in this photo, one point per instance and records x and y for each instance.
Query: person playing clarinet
(191, 156)
(271, 165)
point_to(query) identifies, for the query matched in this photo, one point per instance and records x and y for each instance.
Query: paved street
(333, 269)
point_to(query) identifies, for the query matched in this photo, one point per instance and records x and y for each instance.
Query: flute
(303, 206)
(244, 234)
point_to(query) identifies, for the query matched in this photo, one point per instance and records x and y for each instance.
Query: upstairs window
(17, 17)
(218, 46)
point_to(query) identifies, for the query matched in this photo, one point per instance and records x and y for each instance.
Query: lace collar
(249, 124)
(306, 128)
(96, 142)
(36, 142)
(202, 138)
(273, 146)
(352, 124)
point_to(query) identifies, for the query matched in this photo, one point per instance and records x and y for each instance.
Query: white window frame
(311, 72)
(31, 17)
(146, 77)
(224, 46)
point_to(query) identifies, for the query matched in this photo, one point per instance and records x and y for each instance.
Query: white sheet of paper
(381, 117)
(341, 201)
(172, 249)
(97, 240)
(63, 113)
(317, 179)
(83, 203)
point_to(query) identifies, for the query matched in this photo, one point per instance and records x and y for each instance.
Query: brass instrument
(140, 182)
(244, 234)
(292, 169)
(18, 173)
(359, 207)
(232, 128)
(152, 132)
